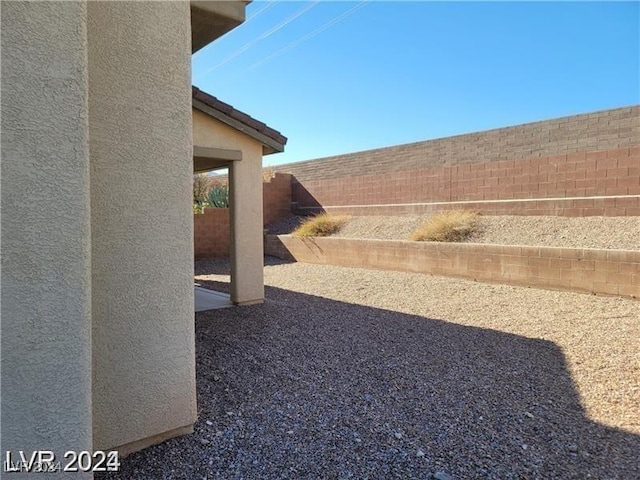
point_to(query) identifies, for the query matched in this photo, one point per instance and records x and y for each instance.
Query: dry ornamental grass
(447, 226)
(321, 225)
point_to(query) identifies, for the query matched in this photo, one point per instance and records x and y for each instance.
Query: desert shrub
(215, 180)
(268, 173)
(447, 226)
(321, 225)
(201, 187)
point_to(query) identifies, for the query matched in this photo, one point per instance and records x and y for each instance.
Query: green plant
(219, 196)
(321, 225)
(447, 226)
(198, 208)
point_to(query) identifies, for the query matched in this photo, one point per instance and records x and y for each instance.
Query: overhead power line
(266, 34)
(317, 31)
(266, 6)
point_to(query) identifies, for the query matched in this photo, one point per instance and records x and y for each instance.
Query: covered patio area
(224, 137)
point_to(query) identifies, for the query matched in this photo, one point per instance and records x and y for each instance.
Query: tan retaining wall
(615, 272)
(591, 156)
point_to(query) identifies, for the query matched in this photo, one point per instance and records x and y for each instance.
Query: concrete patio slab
(210, 300)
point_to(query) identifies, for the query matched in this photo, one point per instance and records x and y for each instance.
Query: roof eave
(269, 144)
(212, 19)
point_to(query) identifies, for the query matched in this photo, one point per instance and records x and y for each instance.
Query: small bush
(268, 173)
(201, 187)
(447, 226)
(321, 225)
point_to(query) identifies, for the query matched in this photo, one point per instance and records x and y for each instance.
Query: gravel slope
(583, 232)
(352, 373)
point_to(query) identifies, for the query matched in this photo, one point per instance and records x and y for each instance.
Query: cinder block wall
(536, 168)
(212, 237)
(276, 198)
(612, 272)
(211, 232)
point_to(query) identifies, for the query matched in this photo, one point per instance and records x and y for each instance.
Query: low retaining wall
(613, 272)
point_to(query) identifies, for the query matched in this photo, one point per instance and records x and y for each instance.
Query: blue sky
(344, 76)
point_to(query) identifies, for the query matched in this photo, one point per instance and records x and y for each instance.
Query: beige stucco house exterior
(101, 134)
(224, 137)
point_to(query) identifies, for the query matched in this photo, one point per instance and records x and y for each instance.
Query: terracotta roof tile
(241, 117)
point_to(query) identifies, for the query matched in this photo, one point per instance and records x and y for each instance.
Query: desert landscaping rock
(285, 225)
(441, 476)
(571, 232)
(338, 354)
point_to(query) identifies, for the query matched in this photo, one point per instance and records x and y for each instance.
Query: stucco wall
(209, 132)
(46, 326)
(245, 204)
(141, 220)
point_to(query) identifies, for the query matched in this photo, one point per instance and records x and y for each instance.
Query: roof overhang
(206, 159)
(212, 19)
(269, 145)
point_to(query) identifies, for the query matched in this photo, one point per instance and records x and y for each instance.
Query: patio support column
(247, 283)
(46, 277)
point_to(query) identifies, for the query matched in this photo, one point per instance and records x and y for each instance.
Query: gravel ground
(352, 373)
(579, 232)
(285, 225)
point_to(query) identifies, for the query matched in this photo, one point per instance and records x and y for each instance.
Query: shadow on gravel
(305, 387)
(221, 266)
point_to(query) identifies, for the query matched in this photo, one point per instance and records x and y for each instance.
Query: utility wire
(266, 6)
(317, 31)
(266, 34)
